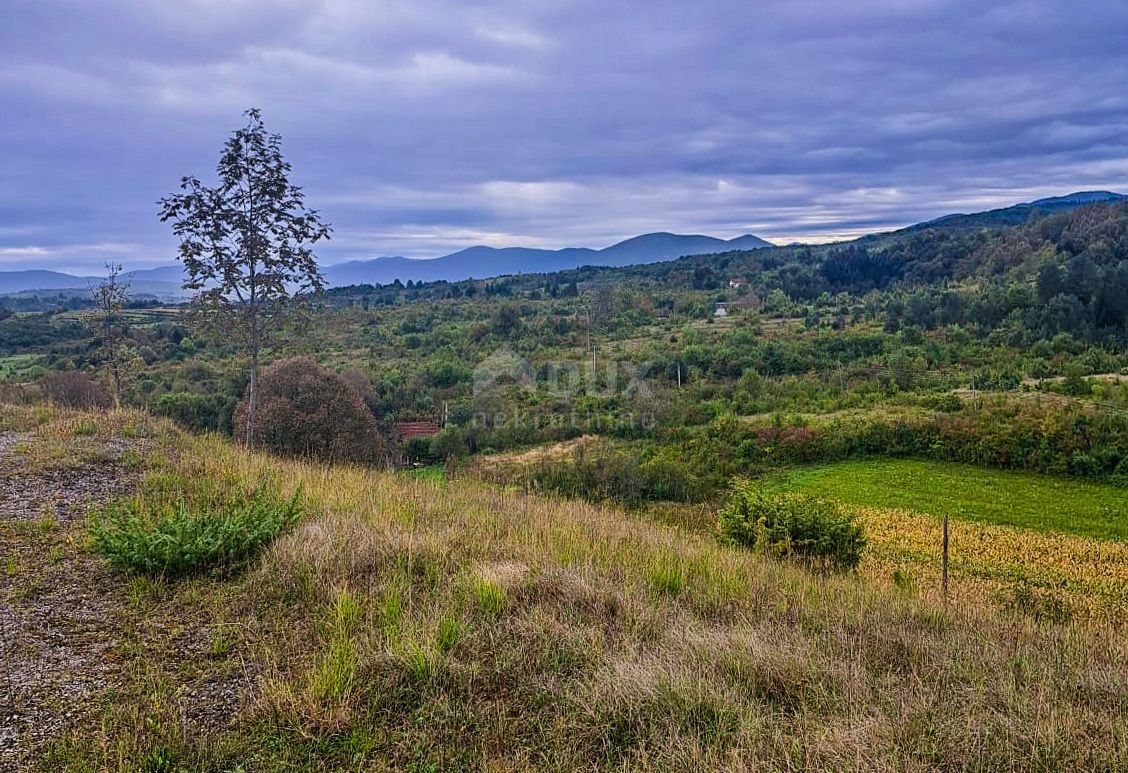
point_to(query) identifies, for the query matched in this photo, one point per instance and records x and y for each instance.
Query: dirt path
(58, 603)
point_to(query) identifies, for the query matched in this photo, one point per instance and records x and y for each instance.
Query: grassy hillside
(408, 623)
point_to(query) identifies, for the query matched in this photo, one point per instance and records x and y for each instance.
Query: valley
(540, 575)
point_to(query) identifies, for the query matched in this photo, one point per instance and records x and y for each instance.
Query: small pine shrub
(174, 527)
(793, 525)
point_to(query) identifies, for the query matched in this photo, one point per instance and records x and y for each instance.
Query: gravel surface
(75, 634)
(57, 601)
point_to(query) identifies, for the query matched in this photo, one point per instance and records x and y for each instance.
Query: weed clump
(176, 527)
(793, 525)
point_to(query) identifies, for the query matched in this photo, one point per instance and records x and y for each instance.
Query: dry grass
(539, 455)
(990, 564)
(405, 625)
(488, 629)
(50, 438)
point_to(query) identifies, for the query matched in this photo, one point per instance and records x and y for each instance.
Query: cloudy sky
(421, 127)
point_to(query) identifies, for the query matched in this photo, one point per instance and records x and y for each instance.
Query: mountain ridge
(476, 262)
(480, 261)
(1016, 214)
(483, 262)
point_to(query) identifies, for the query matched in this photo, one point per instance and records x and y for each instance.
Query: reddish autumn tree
(307, 411)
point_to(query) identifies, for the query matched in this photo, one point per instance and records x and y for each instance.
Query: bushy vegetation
(71, 389)
(1055, 505)
(893, 320)
(307, 411)
(697, 463)
(793, 525)
(600, 472)
(175, 525)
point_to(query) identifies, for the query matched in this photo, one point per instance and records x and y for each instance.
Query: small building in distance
(409, 430)
(737, 282)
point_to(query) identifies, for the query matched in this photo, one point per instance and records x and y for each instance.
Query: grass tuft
(666, 576)
(489, 595)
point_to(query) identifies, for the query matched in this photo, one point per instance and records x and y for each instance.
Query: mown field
(1036, 502)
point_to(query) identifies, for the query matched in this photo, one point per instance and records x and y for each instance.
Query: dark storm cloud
(422, 127)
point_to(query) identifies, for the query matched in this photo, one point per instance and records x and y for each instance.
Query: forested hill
(1019, 214)
(1065, 272)
(1059, 273)
(1097, 233)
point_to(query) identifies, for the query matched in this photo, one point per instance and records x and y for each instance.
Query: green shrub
(174, 527)
(793, 525)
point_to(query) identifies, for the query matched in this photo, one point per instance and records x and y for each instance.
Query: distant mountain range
(1020, 213)
(161, 282)
(483, 262)
(472, 263)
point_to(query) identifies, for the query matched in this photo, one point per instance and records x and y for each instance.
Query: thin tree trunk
(115, 373)
(252, 398)
(117, 388)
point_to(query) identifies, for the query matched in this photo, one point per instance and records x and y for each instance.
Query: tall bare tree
(107, 323)
(603, 306)
(246, 245)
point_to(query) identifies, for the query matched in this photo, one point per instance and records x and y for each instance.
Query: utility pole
(944, 562)
(591, 342)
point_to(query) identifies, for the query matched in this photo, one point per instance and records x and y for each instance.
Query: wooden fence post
(944, 561)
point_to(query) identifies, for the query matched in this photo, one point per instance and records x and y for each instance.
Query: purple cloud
(418, 128)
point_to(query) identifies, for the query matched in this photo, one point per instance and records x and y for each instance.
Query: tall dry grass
(484, 628)
(406, 624)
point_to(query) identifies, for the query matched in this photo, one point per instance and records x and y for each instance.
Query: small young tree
(246, 246)
(108, 325)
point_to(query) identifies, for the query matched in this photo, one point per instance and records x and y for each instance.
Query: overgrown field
(408, 624)
(1046, 575)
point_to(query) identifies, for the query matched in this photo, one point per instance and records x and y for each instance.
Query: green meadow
(1026, 500)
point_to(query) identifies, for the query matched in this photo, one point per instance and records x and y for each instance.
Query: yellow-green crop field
(1052, 546)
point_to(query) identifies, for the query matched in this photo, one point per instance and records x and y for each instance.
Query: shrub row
(694, 464)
